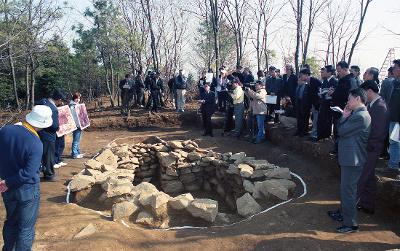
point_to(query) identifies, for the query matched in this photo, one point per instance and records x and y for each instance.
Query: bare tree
(264, 13)
(364, 4)
(147, 12)
(297, 7)
(315, 8)
(237, 16)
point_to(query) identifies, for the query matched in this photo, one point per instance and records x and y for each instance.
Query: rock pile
(177, 167)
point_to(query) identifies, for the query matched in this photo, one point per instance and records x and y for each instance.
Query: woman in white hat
(20, 160)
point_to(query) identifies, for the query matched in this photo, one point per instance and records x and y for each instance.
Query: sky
(383, 15)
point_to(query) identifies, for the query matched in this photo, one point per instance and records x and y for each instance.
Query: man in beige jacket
(259, 108)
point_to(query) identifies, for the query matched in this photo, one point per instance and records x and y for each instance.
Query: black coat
(209, 105)
(274, 85)
(290, 85)
(303, 104)
(315, 84)
(342, 91)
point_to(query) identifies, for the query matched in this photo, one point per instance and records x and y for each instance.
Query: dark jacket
(180, 83)
(139, 83)
(332, 83)
(353, 134)
(209, 105)
(342, 91)
(274, 85)
(379, 126)
(248, 78)
(315, 84)
(290, 85)
(123, 82)
(303, 104)
(386, 89)
(20, 156)
(49, 134)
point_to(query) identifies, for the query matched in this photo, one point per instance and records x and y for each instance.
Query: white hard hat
(40, 116)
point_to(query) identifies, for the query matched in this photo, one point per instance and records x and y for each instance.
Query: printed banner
(83, 116)
(65, 120)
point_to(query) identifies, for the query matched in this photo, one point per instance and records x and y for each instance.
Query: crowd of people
(133, 91)
(361, 116)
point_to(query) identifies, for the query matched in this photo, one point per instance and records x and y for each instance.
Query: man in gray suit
(353, 131)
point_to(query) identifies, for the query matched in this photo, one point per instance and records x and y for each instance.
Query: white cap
(40, 116)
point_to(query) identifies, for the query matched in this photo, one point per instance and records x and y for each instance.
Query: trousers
(22, 208)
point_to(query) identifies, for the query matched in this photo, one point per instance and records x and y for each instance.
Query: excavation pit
(162, 184)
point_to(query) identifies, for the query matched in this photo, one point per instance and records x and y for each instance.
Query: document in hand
(336, 109)
(271, 99)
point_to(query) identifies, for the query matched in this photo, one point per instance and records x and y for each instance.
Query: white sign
(209, 77)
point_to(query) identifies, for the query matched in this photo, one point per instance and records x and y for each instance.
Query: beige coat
(258, 104)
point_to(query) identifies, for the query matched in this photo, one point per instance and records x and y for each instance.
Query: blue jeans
(350, 176)
(394, 150)
(239, 113)
(22, 208)
(60, 145)
(314, 130)
(76, 140)
(260, 126)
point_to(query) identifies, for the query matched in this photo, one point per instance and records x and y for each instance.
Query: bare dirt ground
(299, 225)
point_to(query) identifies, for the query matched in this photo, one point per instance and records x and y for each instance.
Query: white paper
(126, 86)
(395, 133)
(209, 77)
(336, 109)
(271, 99)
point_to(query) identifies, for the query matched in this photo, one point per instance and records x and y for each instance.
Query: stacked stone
(179, 166)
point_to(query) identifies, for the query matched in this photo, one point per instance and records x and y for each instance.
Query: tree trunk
(14, 79)
(299, 16)
(33, 82)
(363, 12)
(215, 26)
(27, 85)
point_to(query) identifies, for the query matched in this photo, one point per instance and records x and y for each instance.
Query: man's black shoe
(347, 229)
(365, 210)
(336, 215)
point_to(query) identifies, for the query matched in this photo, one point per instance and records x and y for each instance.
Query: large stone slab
(86, 231)
(123, 210)
(81, 182)
(116, 187)
(93, 164)
(205, 209)
(108, 159)
(247, 205)
(245, 170)
(166, 159)
(181, 201)
(279, 173)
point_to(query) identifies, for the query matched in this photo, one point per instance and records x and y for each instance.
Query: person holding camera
(259, 108)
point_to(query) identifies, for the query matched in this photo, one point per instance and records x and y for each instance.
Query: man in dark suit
(379, 128)
(290, 83)
(353, 131)
(340, 94)
(48, 136)
(207, 109)
(325, 113)
(126, 88)
(274, 86)
(303, 103)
